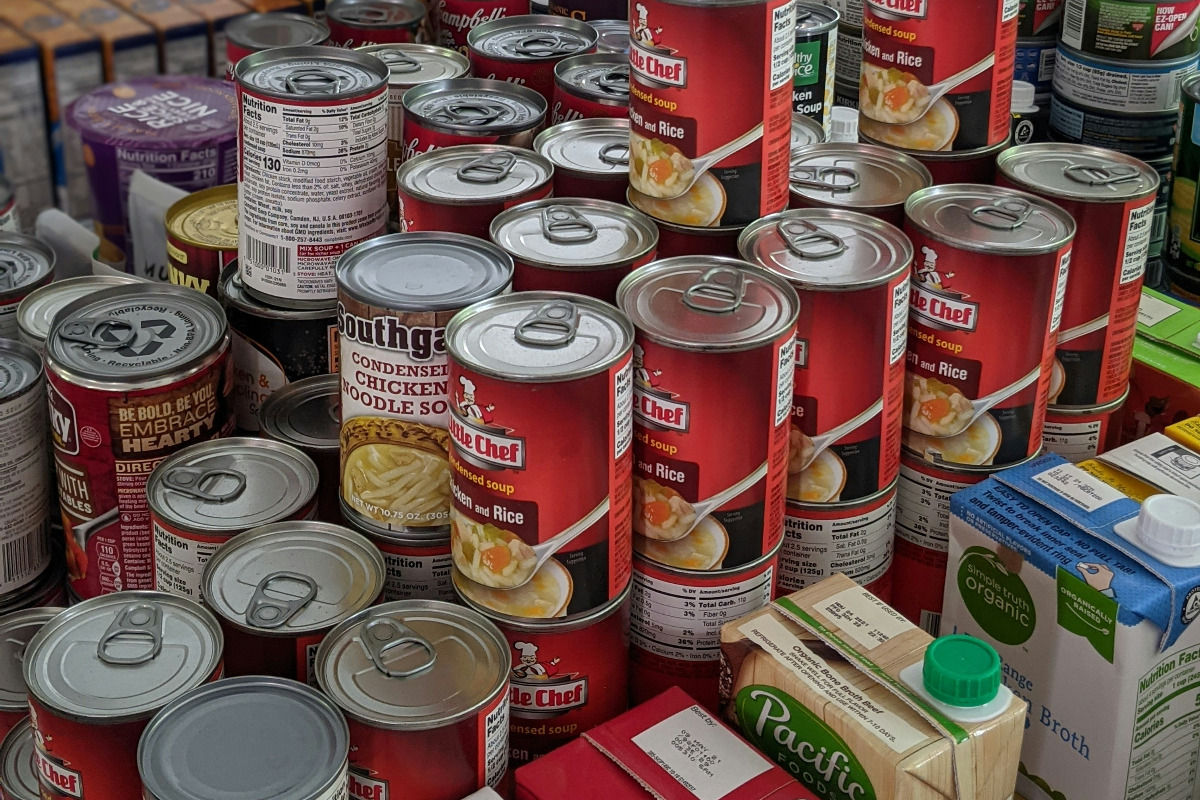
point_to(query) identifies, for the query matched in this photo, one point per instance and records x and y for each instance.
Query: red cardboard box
(668, 748)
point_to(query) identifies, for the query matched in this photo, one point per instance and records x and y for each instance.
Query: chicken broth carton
(857, 703)
(1086, 580)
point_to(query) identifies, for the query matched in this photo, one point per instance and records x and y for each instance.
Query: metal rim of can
(844, 157)
(574, 216)
(37, 309)
(945, 155)
(348, 13)
(1089, 411)
(608, 29)
(396, 54)
(806, 131)
(535, 301)
(33, 372)
(240, 30)
(49, 586)
(615, 129)
(18, 778)
(275, 417)
(826, 18)
(678, 227)
(123, 608)
(465, 155)
(378, 71)
(163, 782)
(916, 461)
(547, 625)
(349, 541)
(303, 479)
(877, 499)
(782, 290)
(233, 292)
(429, 541)
(812, 230)
(970, 191)
(485, 630)
(531, 100)
(180, 212)
(1008, 161)
(39, 252)
(566, 77)
(478, 35)
(14, 697)
(641, 563)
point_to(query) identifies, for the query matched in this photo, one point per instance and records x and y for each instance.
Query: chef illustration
(641, 375)
(642, 31)
(529, 666)
(928, 273)
(467, 407)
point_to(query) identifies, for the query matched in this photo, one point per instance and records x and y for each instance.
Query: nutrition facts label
(179, 561)
(817, 545)
(1166, 736)
(24, 498)
(1074, 441)
(410, 576)
(683, 622)
(923, 508)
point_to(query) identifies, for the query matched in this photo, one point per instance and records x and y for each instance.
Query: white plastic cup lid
(1024, 96)
(844, 124)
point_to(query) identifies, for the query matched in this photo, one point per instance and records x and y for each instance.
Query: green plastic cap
(962, 671)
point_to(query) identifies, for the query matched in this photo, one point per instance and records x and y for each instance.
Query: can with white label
(1120, 87)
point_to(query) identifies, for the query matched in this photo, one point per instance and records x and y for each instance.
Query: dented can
(856, 177)
(1080, 433)
(16, 629)
(590, 158)
(202, 237)
(443, 703)
(356, 23)
(307, 414)
(251, 33)
(589, 86)
(470, 111)
(1132, 30)
(136, 372)
(525, 49)
(26, 264)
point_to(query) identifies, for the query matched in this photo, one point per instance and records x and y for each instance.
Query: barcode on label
(1073, 22)
(267, 256)
(931, 622)
(22, 556)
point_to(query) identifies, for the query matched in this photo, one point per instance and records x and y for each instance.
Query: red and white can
(339, 99)
(856, 177)
(1078, 433)
(424, 686)
(910, 46)
(525, 49)
(461, 189)
(16, 629)
(518, 380)
(457, 18)
(418, 567)
(358, 23)
(566, 677)
(709, 78)
(571, 244)
(470, 111)
(89, 713)
(590, 86)
(686, 240)
(712, 403)
(1111, 198)
(250, 33)
(675, 619)
(590, 158)
(135, 372)
(985, 308)
(950, 166)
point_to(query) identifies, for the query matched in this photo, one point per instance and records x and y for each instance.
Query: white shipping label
(863, 617)
(1152, 311)
(1078, 487)
(858, 545)
(1158, 460)
(1137, 243)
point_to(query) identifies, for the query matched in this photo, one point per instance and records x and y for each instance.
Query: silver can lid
(413, 664)
(855, 176)
(475, 105)
(376, 13)
(990, 219)
(814, 18)
(278, 29)
(16, 629)
(825, 248)
(135, 332)
(36, 312)
(806, 131)
(232, 292)
(291, 578)
(612, 35)
(305, 413)
(423, 271)
(243, 739)
(597, 148)
(572, 233)
(312, 73)
(599, 76)
(18, 776)
(532, 37)
(121, 657)
(473, 174)
(230, 485)
(708, 303)
(413, 64)
(539, 337)
(24, 262)
(1077, 172)
(20, 369)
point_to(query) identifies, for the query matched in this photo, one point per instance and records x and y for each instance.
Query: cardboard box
(183, 45)
(827, 671)
(668, 748)
(1048, 564)
(24, 144)
(217, 13)
(72, 64)
(1164, 386)
(130, 45)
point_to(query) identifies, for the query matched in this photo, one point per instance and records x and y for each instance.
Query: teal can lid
(962, 671)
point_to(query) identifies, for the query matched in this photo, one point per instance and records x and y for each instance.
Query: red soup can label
(985, 308)
(470, 111)
(707, 77)
(457, 18)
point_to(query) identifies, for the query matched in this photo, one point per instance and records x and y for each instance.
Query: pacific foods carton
(24, 146)
(814, 682)
(1164, 387)
(1049, 563)
(183, 44)
(130, 45)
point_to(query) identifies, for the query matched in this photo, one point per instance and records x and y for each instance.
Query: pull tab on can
(478, 113)
(398, 61)
(190, 482)
(616, 154)
(491, 168)
(108, 333)
(312, 80)
(366, 15)
(272, 612)
(615, 81)
(381, 634)
(807, 240)
(1007, 214)
(719, 291)
(545, 45)
(136, 622)
(826, 178)
(1096, 175)
(553, 324)
(565, 225)
(9, 270)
